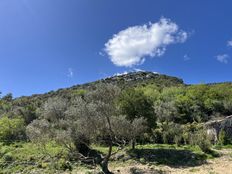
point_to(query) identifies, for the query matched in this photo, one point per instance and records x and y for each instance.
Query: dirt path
(220, 165)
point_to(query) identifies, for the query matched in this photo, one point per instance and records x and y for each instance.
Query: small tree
(108, 123)
(134, 104)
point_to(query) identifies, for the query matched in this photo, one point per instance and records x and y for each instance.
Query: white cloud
(138, 70)
(130, 46)
(70, 73)
(186, 57)
(229, 43)
(223, 58)
(120, 74)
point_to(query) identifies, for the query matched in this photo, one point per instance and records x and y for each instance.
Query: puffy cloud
(131, 46)
(223, 58)
(229, 43)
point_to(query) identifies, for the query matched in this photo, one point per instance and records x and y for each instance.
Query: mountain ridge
(124, 80)
(130, 79)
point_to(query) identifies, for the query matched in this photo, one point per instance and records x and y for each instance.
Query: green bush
(8, 157)
(201, 139)
(222, 138)
(11, 129)
(168, 133)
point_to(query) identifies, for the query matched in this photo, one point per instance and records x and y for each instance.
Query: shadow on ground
(170, 157)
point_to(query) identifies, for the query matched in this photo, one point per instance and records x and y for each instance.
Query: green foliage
(165, 106)
(201, 139)
(196, 103)
(135, 104)
(11, 129)
(151, 91)
(8, 97)
(79, 92)
(171, 133)
(174, 133)
(222, 138)
(28, 113)
(8, 157)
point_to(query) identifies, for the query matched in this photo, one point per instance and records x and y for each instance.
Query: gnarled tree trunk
(105, 161)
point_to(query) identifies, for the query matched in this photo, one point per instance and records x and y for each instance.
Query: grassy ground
(52, 158)
(25, 157)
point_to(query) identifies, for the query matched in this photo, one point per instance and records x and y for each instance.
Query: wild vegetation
(108, 122)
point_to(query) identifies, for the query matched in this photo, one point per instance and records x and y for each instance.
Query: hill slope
(123, 81)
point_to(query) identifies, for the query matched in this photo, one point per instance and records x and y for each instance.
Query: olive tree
(106, 122)
(85, 120)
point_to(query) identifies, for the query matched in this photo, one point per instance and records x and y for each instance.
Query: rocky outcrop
(214, 127)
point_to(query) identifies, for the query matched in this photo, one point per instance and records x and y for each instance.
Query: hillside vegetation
(113, 121)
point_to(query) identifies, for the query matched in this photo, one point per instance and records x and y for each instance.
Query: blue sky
(50, 44)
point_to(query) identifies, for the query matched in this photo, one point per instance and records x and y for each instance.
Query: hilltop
(131, 79)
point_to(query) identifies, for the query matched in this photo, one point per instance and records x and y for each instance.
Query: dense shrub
(195, 103)
(133, 103)
(223, 138)
(201, 139)
(11, 129)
